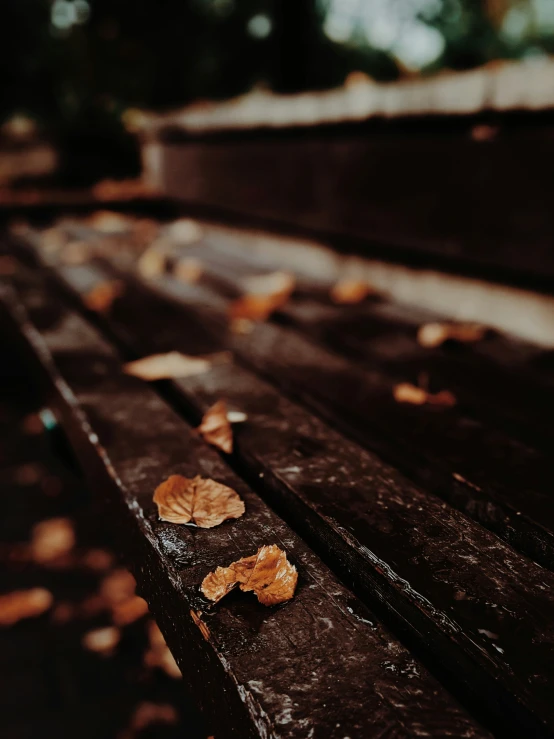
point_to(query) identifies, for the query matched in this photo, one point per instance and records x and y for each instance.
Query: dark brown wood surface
(320, 665)
(436, 584)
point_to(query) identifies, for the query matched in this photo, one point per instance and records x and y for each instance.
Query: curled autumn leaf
(267, 573)
(203, 502)
(24, 604)
(431, 335)
(263, 295)
(349, 291)
(167, 366)
(405, 392)
(216, 428)
(100, 299)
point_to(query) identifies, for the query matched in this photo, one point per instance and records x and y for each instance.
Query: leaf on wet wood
(188, 270)
(22, 604)
(263, 295)
(267, 573)
(203, 502)
(432, 335)
(102, 296)
(216, 428)
(350, 291)
(167, 366)
(405, 392)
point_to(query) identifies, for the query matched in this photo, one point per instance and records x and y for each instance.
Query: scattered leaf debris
(52, 539)
(201, 501)
(348, 291)
(102, 296)
(167, 366)
(22, 604)
(432, 335)
(216, 428)
(267, 573)
(188, 270)
(103, 641)
(264, 294)
(405, 392)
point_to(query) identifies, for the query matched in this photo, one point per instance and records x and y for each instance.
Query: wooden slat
(319, 666)
(438, 584)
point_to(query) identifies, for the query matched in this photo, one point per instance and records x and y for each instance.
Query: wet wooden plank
(445, 581)
(320, 665)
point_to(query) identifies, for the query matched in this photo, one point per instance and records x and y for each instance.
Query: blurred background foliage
(76, 66)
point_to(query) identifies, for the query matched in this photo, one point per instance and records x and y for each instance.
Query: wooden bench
(391, 500)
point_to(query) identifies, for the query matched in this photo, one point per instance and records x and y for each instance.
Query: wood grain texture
(439, 581)
(320, 666)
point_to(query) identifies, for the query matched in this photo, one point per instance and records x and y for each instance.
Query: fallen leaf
(76, 252)
(153, 261)
(103, 640)
(197, 618)
(431, 335)
(148, 713)
(8, 265)
(118, 587)
(107, 221)
(52, 539)
(267, 573)
(24, 604)
(97, 560)
(405, 392)
(188, 270)
(242, 326)
(166, 366)
(129, 610)
(102, 295)
(264, 294)
(201, 501)
(184, 231)
(348, 291)
(216, 428)
(159, 654)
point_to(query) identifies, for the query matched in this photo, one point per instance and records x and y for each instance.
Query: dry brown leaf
(100, 299)
(431, 335)
(8, 265)
(188, 270)
(267, 573)
(97, 560)
(201, 501)
(197, 618)
(348, 291)
(405, 392)
(159, 655)
(153, 261)
(118, 587)
(216, 428)
(103, 640)
(52, 540)
(185, 231)
(167, 366)
(242, 326)
(129, 610)
(264, 295)
(108, 221)
(24, 604)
